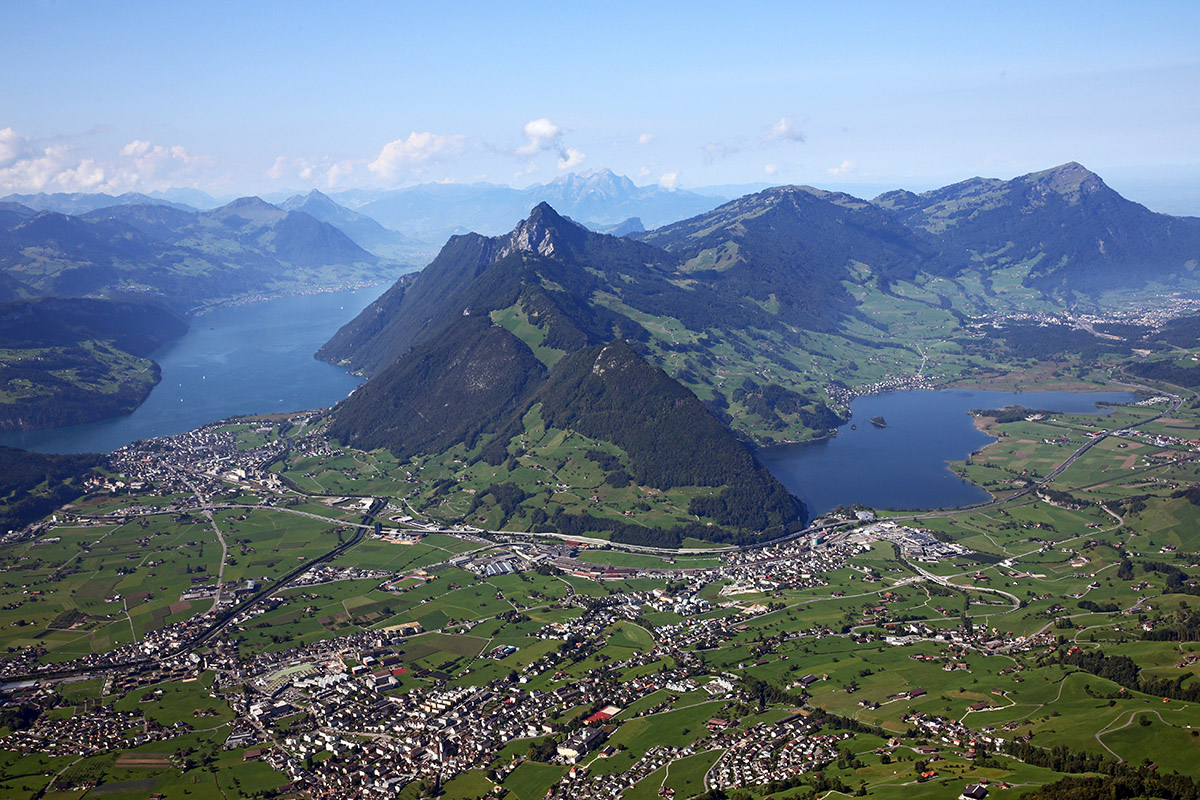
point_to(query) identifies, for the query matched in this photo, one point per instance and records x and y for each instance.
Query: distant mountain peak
(541, 232)
(597, 175)
(246, 203)
(1071, 180)
(598, 172)
(248, 211)
(314, 199)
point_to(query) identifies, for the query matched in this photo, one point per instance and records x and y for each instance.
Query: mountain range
(714, 315)
(1073, 232)
(410, 224)
(361, 229)
(77, 203)
(597, 199)
(180, 257)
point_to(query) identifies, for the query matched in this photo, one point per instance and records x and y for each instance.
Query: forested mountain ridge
(34, 484)
(500, 336)
(446, 391)
(65, 361)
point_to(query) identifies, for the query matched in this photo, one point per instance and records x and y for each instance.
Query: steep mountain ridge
(477, 275)
(495, 327)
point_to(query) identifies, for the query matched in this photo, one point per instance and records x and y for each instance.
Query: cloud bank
(29, 166)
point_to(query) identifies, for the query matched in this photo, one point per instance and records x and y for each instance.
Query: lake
(247, 359)
(905, 464)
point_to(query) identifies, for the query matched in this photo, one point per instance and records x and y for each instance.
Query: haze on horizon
(234, 100)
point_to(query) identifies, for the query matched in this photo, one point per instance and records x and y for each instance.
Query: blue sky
(256, 97)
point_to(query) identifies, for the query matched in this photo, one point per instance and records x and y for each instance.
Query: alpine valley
(536, 554)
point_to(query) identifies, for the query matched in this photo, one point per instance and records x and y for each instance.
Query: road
(204, 505)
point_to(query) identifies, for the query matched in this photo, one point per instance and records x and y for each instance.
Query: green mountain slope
(789, 248)
(1079, 235)
(610, 393)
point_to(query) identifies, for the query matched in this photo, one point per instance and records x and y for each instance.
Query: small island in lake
(879, 422)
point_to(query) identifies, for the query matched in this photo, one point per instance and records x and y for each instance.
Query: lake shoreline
(239, 360)
(908, 464)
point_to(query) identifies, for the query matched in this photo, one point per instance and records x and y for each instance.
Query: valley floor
(200, 625)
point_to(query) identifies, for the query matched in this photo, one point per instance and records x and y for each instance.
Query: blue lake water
(905, 464)
(248, 359)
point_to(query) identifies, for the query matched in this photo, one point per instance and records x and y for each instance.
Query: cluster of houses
(954, 733)
(841, 395)
(89, 733)
(768, 752)
(208, 451)
(582, 783)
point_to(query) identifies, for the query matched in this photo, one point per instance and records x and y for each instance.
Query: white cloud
(143, 161)
(544, 136)
(643, 173)
(843, 169)
(279, 168)
(136, 148)
(541, 135)
(646, 138)
(571, 158)
(12, 147)
(669, 180)
(417, 149)
(335, 174)
(323, 172)
(770, 169)
(28, 166)
(784, 130)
